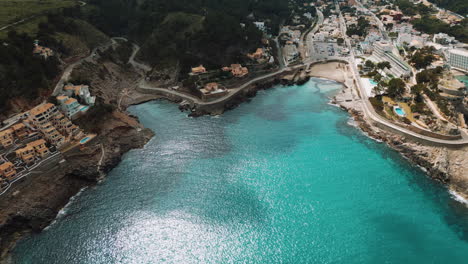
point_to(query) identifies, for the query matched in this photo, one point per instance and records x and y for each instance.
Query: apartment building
(64, 125)
(40, 148)
(383, 51)
(26, 154)
(20, 130)
(7, 170)
(41, 117)
(458, 58)
(6, 137)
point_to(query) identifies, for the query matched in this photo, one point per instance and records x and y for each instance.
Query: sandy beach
(331, 70)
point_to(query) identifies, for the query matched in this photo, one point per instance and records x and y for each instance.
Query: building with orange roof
(69, 106)
(27, 154)
(258, 54)
(52, 134)
(238, 71)
(41, 117)
(42, 51)
(64, 125)
(212, 90)
(198, 70)
(20, 130)
(79, 91)
(42, 113)
(40, 148)
(7, 170)
(6, 137)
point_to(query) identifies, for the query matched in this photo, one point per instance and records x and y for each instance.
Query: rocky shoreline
(445, 165)
(35, 202)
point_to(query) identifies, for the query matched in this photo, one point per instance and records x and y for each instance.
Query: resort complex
(42, 133)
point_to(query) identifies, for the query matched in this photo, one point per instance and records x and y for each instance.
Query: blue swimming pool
(372, 82)
(84, 140)
(399, 111)
(84, 108)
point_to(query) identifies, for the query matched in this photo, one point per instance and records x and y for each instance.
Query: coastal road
(369, 110)
(145, 86)
(308, 41)
(367, 107)
(69, 69)
(17, 22)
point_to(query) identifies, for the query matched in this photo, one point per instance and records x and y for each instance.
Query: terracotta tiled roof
(70, 101)
(41, 109)
(6, 165)
(37, 143)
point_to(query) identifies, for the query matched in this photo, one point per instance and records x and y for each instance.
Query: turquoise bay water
(283, 179)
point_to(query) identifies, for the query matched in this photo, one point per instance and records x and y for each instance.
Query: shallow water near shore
(282, 179)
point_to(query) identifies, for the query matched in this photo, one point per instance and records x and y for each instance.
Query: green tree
(396, 88)
(383, 64)
(369, 64)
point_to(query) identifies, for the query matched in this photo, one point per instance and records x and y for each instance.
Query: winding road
(369, 110)
(29, 18)
(69, 69)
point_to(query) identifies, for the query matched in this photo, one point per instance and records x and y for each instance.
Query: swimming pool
(84, 140)
(399, 111)
(84, 108)
(372, 82)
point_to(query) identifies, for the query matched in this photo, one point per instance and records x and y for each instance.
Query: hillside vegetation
(457, 6)
(189, 32)
(13, 10)
(30, 77)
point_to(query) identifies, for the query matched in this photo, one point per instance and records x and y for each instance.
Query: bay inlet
(282, 179)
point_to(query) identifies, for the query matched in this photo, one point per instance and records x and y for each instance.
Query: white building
(444, 39)
(383, 51)
(458, 58)
(403, 28)
(373, 36)
(410, 40)
(260, 25)
(81, 92)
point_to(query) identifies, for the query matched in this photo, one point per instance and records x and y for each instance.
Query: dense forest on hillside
(181, 33)
(21, 73)
(457, 6)
(25, 75)
(429, 24)
(189, 32)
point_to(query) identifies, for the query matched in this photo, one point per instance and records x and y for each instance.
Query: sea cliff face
(33, 203)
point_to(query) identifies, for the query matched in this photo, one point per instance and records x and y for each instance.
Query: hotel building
(458, 58)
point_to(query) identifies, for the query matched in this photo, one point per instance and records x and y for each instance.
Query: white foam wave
(458, 197)
(63, 212)
(352, 122)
